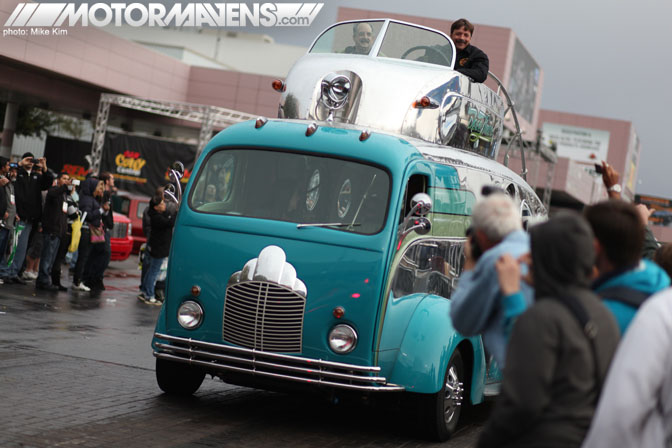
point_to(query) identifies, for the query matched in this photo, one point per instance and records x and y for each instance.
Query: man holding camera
(54, 226)
(28, 191)
(478, 305)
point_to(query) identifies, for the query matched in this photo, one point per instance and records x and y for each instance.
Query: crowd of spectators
(38, 210)
(585, 362)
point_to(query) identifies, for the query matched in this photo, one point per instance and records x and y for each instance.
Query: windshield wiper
(327, 224)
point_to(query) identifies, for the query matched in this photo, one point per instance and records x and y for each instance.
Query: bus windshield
(400, 41)
(306, 189)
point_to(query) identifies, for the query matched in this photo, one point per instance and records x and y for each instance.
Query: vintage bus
(320, 249)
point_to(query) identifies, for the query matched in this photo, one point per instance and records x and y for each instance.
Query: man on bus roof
(469, 60)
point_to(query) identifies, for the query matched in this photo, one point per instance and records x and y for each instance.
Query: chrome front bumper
(218, 357)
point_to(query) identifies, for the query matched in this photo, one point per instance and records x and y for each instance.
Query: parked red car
(121, 242)
(132, 206)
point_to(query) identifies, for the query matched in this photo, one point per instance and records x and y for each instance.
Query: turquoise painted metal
(339, 268)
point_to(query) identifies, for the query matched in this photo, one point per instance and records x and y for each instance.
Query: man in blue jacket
(625, 279)
(478, 305)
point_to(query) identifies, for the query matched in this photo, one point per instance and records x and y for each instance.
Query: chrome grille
(120, 230)
(263, 316)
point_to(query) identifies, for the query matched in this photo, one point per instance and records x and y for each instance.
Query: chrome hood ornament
(270, 266)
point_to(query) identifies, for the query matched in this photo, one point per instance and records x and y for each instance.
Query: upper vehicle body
(322, 248)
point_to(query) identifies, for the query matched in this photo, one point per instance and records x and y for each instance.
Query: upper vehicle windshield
(400, 41)
(350, 38)
(305, 189)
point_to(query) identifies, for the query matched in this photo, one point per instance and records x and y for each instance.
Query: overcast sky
(608, 58)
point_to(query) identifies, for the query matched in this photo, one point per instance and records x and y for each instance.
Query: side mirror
(170, 193)
(178, 167)
(421, 204)
(173, 191)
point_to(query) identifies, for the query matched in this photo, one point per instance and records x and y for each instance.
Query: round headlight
(190, 315)
(342, 339)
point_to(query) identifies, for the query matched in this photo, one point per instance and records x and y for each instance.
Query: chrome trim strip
(214, 356)
(316, 371)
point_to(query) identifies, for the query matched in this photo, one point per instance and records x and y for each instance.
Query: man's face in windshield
(363, 37)
(461, 37)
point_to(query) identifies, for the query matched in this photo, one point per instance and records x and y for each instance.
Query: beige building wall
(96, 57)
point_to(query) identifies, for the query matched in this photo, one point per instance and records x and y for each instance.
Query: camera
(476, 251)
(34, 160)
(598, 168)
(75, 182)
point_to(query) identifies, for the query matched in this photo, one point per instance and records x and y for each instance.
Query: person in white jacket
(635, 408)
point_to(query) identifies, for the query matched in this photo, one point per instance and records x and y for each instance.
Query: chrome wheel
(440, 412)
(453, 394)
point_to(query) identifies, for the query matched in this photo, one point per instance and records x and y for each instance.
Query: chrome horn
(334, 91)
(173, 190)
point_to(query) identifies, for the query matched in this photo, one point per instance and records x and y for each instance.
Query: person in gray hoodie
(555, 369)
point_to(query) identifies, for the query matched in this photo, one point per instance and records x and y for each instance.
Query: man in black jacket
(469, 60)
(54, 226)
(27, 188)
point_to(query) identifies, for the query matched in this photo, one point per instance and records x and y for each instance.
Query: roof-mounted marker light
(312, 127)
(260, 122)
(279, 85)
(364, 135)
(425, 103)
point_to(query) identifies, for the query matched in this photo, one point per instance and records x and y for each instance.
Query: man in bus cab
(362, 36)
(469, 60)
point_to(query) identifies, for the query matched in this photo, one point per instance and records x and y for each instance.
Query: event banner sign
(141, 164)
(71, 156)
(579, 144)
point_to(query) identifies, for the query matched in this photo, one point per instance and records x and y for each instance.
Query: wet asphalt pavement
(76, 370)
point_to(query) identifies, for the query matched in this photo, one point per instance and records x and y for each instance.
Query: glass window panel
(292, 187)
(350, 38)
(416, 44)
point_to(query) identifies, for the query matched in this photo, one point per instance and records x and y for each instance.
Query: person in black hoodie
(560, 348)
(90, 192)
(162, 222)
(94, 272)
(469, 60)
(27, 188)
(54, 226)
